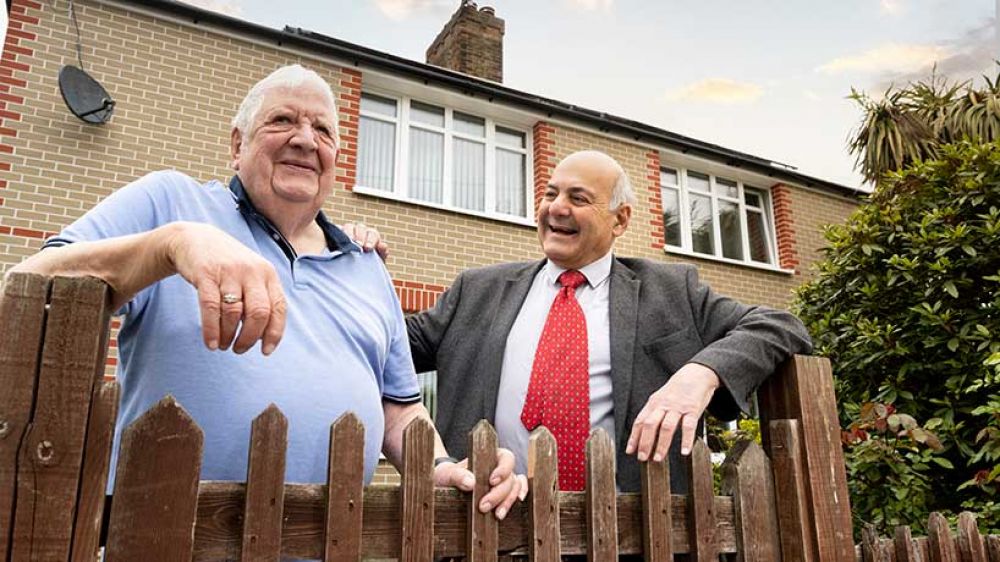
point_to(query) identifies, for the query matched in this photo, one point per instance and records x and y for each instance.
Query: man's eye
(550, 195)
(579, 199)
(281, 120)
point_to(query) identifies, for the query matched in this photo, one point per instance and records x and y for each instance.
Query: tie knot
(572, 279)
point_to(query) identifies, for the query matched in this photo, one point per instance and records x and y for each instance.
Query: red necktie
(559, 390)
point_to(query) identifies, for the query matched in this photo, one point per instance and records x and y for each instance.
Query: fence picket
(746, 475)
(156, 484)
(906, 550)
(870, 551)
(798, 543)
(970, 542)
(482, 533)
(993, 547)
(939, 540)
(923, 547)
(265, 497)
(51, 455)
(602, 512)
(543, 501)
(94, 480)
(701, 506)
(22, 321)
(657, 526)
(346, 480)
(417, 486)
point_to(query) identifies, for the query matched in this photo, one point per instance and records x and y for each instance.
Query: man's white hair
(621, 192)
(287, 77)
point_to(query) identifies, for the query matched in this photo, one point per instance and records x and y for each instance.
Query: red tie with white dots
(559, 389)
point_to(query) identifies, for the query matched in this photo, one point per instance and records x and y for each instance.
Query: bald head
(607, 171)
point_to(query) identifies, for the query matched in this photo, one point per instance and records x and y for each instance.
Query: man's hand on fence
(681, 401)
(505, 486)
(367, 237)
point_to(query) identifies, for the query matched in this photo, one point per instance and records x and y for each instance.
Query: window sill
(520, 221)
(752, 265)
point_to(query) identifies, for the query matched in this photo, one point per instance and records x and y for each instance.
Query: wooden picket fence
(784, 501)
(940, 545)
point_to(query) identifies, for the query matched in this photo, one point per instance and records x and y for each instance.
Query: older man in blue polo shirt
(201, 268)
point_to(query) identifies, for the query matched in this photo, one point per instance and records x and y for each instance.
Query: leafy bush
(906, 305)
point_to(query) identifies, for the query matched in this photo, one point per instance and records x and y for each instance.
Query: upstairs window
(442, 157)
(716, 217)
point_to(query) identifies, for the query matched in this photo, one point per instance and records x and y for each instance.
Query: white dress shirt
(522, 342)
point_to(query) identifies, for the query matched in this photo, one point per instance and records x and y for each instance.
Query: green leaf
(943, 462)
(950, 288)
(953, 344)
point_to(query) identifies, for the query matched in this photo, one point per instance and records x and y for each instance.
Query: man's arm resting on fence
(506, 487)
(209, 259)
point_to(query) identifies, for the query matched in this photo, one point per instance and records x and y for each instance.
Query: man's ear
(235, 147)
(623, 215)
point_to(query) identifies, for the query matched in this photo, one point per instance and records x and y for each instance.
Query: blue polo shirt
(344, 347)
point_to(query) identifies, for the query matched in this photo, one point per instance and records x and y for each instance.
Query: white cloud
(402, 9)
(717, 90)
(892, 7)
(227, 7)
(592, 5)
(811, 95)
(891, 57)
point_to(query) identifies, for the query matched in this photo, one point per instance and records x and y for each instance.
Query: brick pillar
(414, 297)
(17, 46)
(655, 198)
(349, 109)
(471, 43)
(784, 224)
(544, 158)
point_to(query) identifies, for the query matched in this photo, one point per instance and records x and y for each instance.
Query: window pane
(510, 182)
(698, 182)
(668, 176)
(429, 114)
(376, 153)
(753, 196)
(760, 246)
(702, 225)
(726, 188)
(377, 104)
(426, 165)
(729, 226)
(671, 216)
(470, 124)
(469, 174)
(510, 137)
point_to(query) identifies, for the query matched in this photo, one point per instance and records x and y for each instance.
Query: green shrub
(906, 304)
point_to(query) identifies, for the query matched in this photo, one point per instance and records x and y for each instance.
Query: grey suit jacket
(661, 317)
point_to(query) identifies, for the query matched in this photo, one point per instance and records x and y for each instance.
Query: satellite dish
(84, 96)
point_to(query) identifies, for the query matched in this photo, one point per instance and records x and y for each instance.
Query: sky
(766, 77)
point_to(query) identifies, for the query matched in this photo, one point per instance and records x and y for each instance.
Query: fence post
(802, 389)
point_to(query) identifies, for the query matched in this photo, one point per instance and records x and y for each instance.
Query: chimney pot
(471, 42)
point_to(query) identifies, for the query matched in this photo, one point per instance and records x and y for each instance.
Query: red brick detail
(784, 225)
(652, 181)
(26, 232)
(16, 47)
(349, 108)
(544, 157)
(414, 297)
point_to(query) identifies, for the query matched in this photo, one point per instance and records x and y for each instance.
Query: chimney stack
(471, 43)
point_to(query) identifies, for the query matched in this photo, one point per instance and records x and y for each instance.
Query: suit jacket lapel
(514, 291)
(623, 315)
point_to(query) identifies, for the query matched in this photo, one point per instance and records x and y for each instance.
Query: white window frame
(684, 202)
(400, 185)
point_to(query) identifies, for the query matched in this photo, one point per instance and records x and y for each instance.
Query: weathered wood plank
(970, 542)
(22, 321)
(993, 547)
(51, 455)
(701, 516)
(156, 483)
(798, 543)
(923, 547)
(346, 480)
(265, 487)
(939, 540)
(483, 537)
(654, 478)
(543, 500)
(602, 519)
(220, 507)
(802, 389)
(94, 482)
(746, 475)
(870, 551)
(906, 550)
(417, 505)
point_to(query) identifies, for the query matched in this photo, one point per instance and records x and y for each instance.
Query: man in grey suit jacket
(663, 346)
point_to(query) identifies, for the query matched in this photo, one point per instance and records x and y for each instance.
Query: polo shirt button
(275, 236)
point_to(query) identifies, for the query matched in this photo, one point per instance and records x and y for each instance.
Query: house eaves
(364, 57)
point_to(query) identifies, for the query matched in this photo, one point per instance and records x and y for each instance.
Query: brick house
(441, 157)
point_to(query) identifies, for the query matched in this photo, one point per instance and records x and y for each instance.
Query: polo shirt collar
(595, 272)
(336, 239)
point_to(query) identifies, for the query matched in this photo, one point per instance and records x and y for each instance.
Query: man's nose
(559, 205)
(304, 137)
